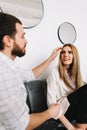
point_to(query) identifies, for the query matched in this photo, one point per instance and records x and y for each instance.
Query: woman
(64, 87)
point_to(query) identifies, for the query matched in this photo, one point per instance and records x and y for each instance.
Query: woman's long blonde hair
(74, 69)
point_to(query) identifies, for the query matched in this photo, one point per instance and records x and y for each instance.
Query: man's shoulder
(6, 72)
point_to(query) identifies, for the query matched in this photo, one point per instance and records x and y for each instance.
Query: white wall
(43, 38)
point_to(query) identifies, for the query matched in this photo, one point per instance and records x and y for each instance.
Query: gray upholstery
(36, 98)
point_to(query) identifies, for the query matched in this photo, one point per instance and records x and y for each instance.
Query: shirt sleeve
(54, 94)
(13, 109)
(26, 74)
(53, 87)
(64, 104)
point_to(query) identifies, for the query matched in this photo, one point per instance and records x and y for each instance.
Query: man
(13, 108)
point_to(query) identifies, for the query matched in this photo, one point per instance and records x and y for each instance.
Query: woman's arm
(67, 124)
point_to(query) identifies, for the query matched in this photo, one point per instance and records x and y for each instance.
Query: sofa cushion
(36, 98)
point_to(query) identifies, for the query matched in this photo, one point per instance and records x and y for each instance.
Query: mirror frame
(65, 32)
(30, 12)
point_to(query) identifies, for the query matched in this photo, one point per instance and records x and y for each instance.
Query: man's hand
(54, 110)
(55, 52)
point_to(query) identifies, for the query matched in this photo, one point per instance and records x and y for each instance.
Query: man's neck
(8, 54)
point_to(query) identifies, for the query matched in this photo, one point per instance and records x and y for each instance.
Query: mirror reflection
(66, 33)
(30, 12)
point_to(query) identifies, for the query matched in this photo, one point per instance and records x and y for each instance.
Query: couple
(14, 112)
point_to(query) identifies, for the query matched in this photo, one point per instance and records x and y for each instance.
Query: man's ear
(7, 40)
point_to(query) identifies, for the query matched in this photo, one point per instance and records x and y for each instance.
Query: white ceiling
(29, 11)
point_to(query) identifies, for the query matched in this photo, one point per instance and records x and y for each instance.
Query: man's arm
(38, 70)
(38, 118)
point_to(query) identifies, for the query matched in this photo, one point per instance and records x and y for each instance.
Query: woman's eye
(63, 52)
(70, 52)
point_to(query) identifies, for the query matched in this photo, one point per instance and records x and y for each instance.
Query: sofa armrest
(37, 95)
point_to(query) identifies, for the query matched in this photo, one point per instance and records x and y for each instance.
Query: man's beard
(17, 51)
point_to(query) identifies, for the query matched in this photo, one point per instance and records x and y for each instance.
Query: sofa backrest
(37, 95)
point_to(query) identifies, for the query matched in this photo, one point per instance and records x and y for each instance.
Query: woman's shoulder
(54, 72)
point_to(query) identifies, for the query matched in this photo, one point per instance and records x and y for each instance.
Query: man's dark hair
(7, 26)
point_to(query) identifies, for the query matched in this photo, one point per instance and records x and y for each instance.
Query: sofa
(37, 97)
(37, 102)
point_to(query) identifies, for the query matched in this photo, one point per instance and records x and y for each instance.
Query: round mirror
(30, 12)
(66, 33)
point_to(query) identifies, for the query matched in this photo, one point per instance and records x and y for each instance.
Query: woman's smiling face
(66, 56)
